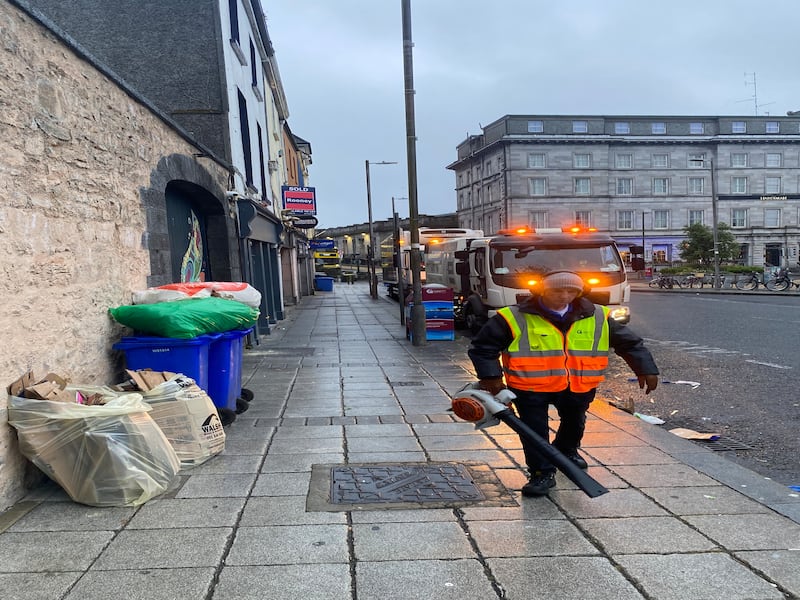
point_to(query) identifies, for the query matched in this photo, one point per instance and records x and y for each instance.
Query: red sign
(299, 199)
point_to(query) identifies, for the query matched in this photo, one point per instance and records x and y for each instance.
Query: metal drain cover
(404, 485)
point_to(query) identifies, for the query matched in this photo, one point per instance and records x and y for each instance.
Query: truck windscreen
(523, 261)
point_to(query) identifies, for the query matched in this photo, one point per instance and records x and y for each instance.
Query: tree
(698, 247)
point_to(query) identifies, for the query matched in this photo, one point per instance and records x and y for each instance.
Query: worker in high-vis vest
(552, 348)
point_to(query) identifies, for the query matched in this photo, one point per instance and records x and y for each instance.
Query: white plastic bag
(102, 455)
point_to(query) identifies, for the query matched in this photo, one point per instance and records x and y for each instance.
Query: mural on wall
(192, 263)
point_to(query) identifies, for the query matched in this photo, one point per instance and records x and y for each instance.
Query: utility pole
(419, 336)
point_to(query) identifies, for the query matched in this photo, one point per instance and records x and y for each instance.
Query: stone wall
(76, 151)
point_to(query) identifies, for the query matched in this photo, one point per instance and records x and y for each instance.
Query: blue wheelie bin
(187, 356)
(225, 371)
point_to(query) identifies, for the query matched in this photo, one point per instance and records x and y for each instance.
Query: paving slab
(37, 586)
(780, 566)
(309, 582)
(645, 535)
(682, 576)
(289, 545)
(174, 513)
(165, 549)
(147, 584)
(410, 541)
(44, 551)
(463, 579)
(749, 531)
(563, 578)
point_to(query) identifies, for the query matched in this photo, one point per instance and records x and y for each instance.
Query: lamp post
(373, 279)
(398, 254)
(714, 217)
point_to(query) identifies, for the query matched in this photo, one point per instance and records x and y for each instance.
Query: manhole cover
(723, 444)
(404, 485)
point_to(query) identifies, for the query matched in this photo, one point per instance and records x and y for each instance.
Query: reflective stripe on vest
(540, 359)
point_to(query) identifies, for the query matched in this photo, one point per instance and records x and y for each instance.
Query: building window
(535, 126)
(261, 165)
(253, 66)
(772, 217)
(625, 219)
(580, 127)
(739, 218)
(658, 128)
(536, 160)
(583, 218)
(696, 186)
(660, 186)
(622, 128)
(624, 186)
(695, 217)
(773, 127)
(696, 128)
(739, 160)
(660, 219)
(659, 161)
(739, 185)
(233, 13)
(738, 127)
(583, 186)
(774, 160)
(697, 160)
(772, 185)
(537, 186)
(623, 161)
(538, 219)
(582, 161)
(244, 124)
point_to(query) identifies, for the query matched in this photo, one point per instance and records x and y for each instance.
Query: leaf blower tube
(485, 410)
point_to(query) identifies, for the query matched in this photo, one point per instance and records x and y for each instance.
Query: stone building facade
(639, 178)
(89, 172)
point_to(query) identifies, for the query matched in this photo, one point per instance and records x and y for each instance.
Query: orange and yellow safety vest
(542, 359)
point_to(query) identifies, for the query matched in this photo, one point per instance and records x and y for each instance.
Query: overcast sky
(341, 62)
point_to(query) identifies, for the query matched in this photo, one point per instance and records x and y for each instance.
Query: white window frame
(739, 127)
(625, 220)
(661, 219)
(738, 160)
(738, 185)
(538, 219)
(772, 217)
(697, 128)
(657, 164)
(696, 160)
(622, 127)
(580, 127)
(580, 188)
(583, 218)
(694, 189)
(773, 160)
(660, 186)
(772, 127)
(624, 186)
(772, 185)
(537, 186)
(658, 128)
(738, 218)
(696, 215)
(533, 159)
(623, 160)
(578, 158)
(535, 126)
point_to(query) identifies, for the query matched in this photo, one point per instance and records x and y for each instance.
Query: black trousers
(532, 409)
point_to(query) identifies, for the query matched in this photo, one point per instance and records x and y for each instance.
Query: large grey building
(639, 178)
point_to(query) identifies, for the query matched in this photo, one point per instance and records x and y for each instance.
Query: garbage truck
(487, 273)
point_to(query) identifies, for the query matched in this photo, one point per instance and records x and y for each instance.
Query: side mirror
(462, 268)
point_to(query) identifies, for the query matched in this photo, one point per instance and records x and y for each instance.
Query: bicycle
(781, 282)
(663, 282)
(752, 282)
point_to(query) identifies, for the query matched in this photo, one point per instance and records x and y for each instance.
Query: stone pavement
(348, 479)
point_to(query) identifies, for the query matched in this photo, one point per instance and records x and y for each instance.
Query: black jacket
(495, 336)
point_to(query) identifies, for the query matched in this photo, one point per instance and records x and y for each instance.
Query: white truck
(487, 273)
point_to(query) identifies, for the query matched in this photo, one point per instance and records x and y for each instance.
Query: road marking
(766, 364)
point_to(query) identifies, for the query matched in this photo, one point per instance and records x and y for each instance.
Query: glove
(651, 381)
(493, 385)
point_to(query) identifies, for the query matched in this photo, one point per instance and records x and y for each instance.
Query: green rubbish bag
(185, 319)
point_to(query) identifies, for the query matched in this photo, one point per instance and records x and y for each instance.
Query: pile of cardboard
(51, 387)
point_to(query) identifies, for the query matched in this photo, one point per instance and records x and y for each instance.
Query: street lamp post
(373, 278)
(398, 254)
